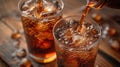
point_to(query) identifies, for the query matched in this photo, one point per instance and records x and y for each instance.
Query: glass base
(43, 60)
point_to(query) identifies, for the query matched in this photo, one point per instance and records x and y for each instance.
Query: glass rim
(81, 48)
(57, 14)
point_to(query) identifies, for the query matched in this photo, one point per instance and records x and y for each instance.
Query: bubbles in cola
(28, 7)
(67, 33)
(38, 10)
(38, 19)
(75, 48)
(51, 9)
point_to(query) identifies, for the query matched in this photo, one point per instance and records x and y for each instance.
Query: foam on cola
(67, 34)
(38, 19)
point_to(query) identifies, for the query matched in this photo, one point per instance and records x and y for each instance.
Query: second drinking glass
(38, 18)
(76, 48)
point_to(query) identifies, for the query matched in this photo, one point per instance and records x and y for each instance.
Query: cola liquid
(67, 58)
(39, 37)
(84, 14)
(38, 19)
(74, 48)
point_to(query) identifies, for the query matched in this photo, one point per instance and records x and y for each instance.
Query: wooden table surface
(10, 22)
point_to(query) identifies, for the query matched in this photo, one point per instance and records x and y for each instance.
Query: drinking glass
(38, 18)
(76, 48)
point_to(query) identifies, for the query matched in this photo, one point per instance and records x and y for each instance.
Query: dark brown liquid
(84, 14)
(39, 37)
(39, 34)
(68, 58)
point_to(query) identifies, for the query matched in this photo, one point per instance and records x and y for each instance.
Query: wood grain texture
(107, 49)
(101, 62)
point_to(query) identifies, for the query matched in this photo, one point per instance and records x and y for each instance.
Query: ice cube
(73, 24)
(46, 14)
(30, 11)
(24, 7)
(68, 34)
(76, 37)
(42, 26)
(27, 5)
(79, 42)
(49, 7)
